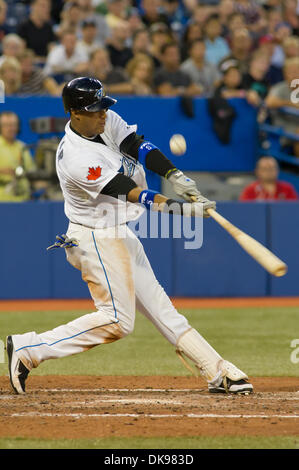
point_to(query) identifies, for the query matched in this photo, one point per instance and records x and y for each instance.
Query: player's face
(90, 124)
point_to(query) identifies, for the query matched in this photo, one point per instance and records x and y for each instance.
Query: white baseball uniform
(112, 262)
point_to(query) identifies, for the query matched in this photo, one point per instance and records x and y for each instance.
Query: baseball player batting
(100, 164)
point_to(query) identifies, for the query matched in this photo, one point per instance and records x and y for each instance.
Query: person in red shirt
(267, 186)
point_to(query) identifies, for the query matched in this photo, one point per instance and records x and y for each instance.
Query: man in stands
(280, 95)
(37, 30)
(15, 161)
(267, 186)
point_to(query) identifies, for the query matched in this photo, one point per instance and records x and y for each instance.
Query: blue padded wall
(284, 242)
(220, 267)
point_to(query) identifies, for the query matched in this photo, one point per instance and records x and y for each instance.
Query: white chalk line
(149, 415)
(169, 390)
(128, 401)
(97, 390)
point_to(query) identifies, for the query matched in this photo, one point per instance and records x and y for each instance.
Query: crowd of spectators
(144, 47)
(220, 49)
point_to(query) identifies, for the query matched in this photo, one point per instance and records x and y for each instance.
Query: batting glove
(205, 204)
(183, 186)
(63, 242)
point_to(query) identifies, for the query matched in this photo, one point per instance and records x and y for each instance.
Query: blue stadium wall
(220, 268)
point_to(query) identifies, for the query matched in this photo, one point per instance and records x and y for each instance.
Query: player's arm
(153, 159)
(122, 185)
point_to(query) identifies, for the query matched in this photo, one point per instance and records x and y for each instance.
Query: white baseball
(178, 144)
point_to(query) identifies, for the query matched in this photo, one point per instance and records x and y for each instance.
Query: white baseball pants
(120, 278)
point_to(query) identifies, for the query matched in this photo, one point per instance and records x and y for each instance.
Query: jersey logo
(94, 173)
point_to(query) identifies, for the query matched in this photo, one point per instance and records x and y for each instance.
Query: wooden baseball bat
(260, 253)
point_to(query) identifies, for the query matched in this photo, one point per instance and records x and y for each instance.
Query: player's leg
(106, 266)
(153, 302)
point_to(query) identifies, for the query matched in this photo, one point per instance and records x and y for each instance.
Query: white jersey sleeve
(116, 130)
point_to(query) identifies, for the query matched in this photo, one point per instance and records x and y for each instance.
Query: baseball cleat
(238, 387)
(18, 372)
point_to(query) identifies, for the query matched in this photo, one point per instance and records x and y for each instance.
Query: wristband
(174, 207)
(143, 150)
(146, 197)
(170, 172)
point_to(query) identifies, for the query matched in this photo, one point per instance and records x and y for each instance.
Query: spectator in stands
(291, 47)
(34, 81)
(71, 18)
(151, 13)
(169, 80)
(3, 26)
(274, 18)
(280, 95)
(249, 9)
(141, 43)
(234, 22)
(11, 75)
(116, 12)
(160, 35)
(140, 70)
(225, 10)
(88, 13)
(15, 160)
(282, 32)
(37, 30)
(256, 78)
(13, 46)
(117, 47)
(176, 14)
(114, 79)
(267, 186)
(291, 14)
(230, 86)
(201, 13)
(134, 20)
(192, 32)
(89, 42)
(66, 59)
(216, 47)
(241, 45)
(205, 75)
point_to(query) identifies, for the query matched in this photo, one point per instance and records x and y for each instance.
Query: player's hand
(183, 186)
(201, 205)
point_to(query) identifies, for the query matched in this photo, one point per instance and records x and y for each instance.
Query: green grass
(257, 340)
(277, 442)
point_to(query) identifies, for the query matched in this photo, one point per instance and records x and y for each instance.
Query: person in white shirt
(100, 164)
(67, 57)
(89, 43)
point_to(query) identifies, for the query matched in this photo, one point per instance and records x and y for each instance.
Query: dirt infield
(90, 407)
(179, 302)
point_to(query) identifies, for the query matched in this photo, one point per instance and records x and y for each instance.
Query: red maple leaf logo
(94, 173)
